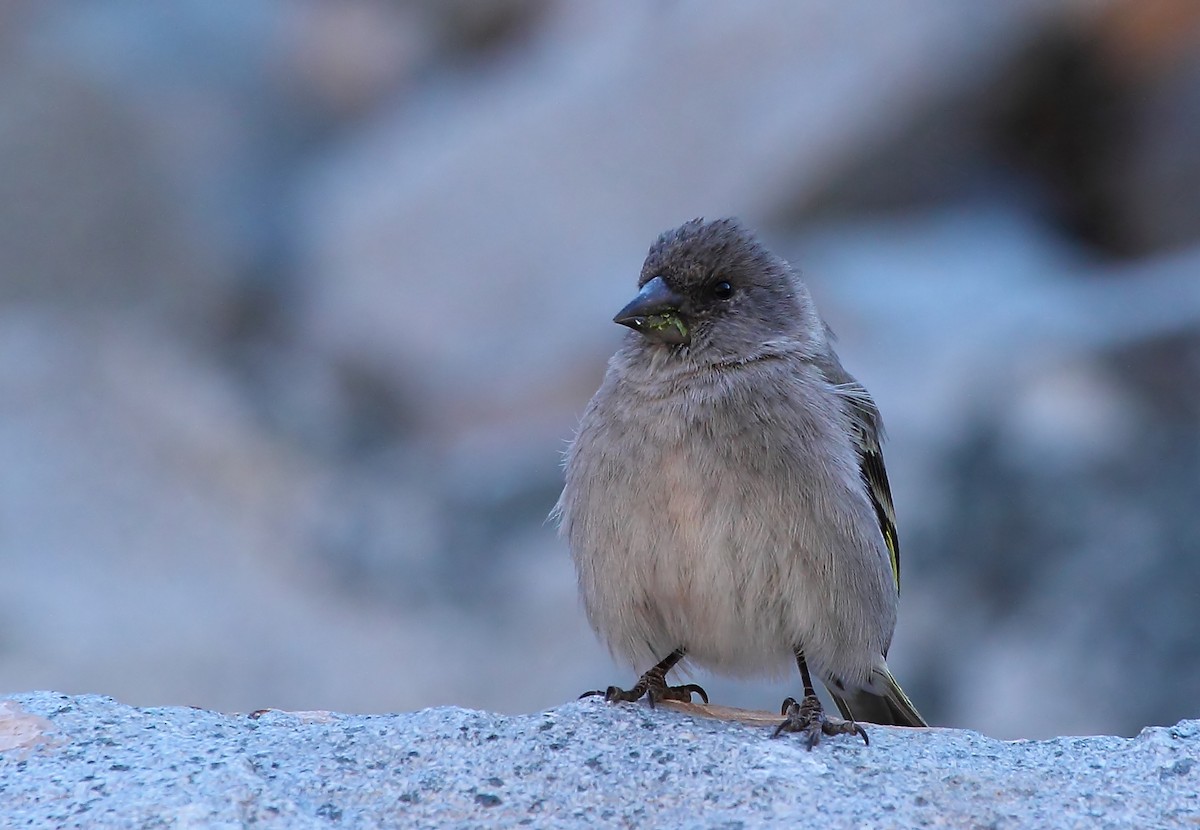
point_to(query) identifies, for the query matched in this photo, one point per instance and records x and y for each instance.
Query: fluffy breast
(725, 521)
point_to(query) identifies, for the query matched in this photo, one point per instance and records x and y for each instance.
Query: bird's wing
(867, 431)
(892, 707)
(864, 419)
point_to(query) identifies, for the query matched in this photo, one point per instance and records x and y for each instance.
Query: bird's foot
(653, 686)
(809, 717)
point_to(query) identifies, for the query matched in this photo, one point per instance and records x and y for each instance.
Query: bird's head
(713, 289)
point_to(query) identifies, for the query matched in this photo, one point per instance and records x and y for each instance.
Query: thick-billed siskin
(726, 501)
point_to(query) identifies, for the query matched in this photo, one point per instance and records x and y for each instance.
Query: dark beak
(655, 314)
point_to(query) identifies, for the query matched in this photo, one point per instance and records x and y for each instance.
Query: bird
(725, 498)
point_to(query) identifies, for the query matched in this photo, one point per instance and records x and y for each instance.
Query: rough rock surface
(88, 760)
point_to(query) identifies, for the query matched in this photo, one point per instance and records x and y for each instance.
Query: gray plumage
(725, 494)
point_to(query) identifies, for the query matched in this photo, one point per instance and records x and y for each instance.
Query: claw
(653, 686)
(809, 718)
(684, 693)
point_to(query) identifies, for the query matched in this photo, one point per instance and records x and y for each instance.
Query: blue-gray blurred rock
(1044, 431)
(149, 150)
(301, 302)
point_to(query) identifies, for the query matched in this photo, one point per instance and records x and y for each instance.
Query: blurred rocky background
(300, 301)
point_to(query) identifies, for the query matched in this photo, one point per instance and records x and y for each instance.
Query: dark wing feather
(867, 432)
(892, 707)
(874, 474)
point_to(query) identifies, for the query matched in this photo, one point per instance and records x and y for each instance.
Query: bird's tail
(893, 708)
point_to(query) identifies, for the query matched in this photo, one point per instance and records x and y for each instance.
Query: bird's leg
(653, 685)
(808, 716)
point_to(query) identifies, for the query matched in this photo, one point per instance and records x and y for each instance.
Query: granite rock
(90, 761)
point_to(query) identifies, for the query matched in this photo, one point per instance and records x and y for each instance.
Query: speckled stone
(90, 761)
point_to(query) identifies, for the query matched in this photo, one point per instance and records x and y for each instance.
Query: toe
(683, 693)
(809, 718)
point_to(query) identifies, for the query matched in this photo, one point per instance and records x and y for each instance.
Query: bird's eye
(722, 291)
